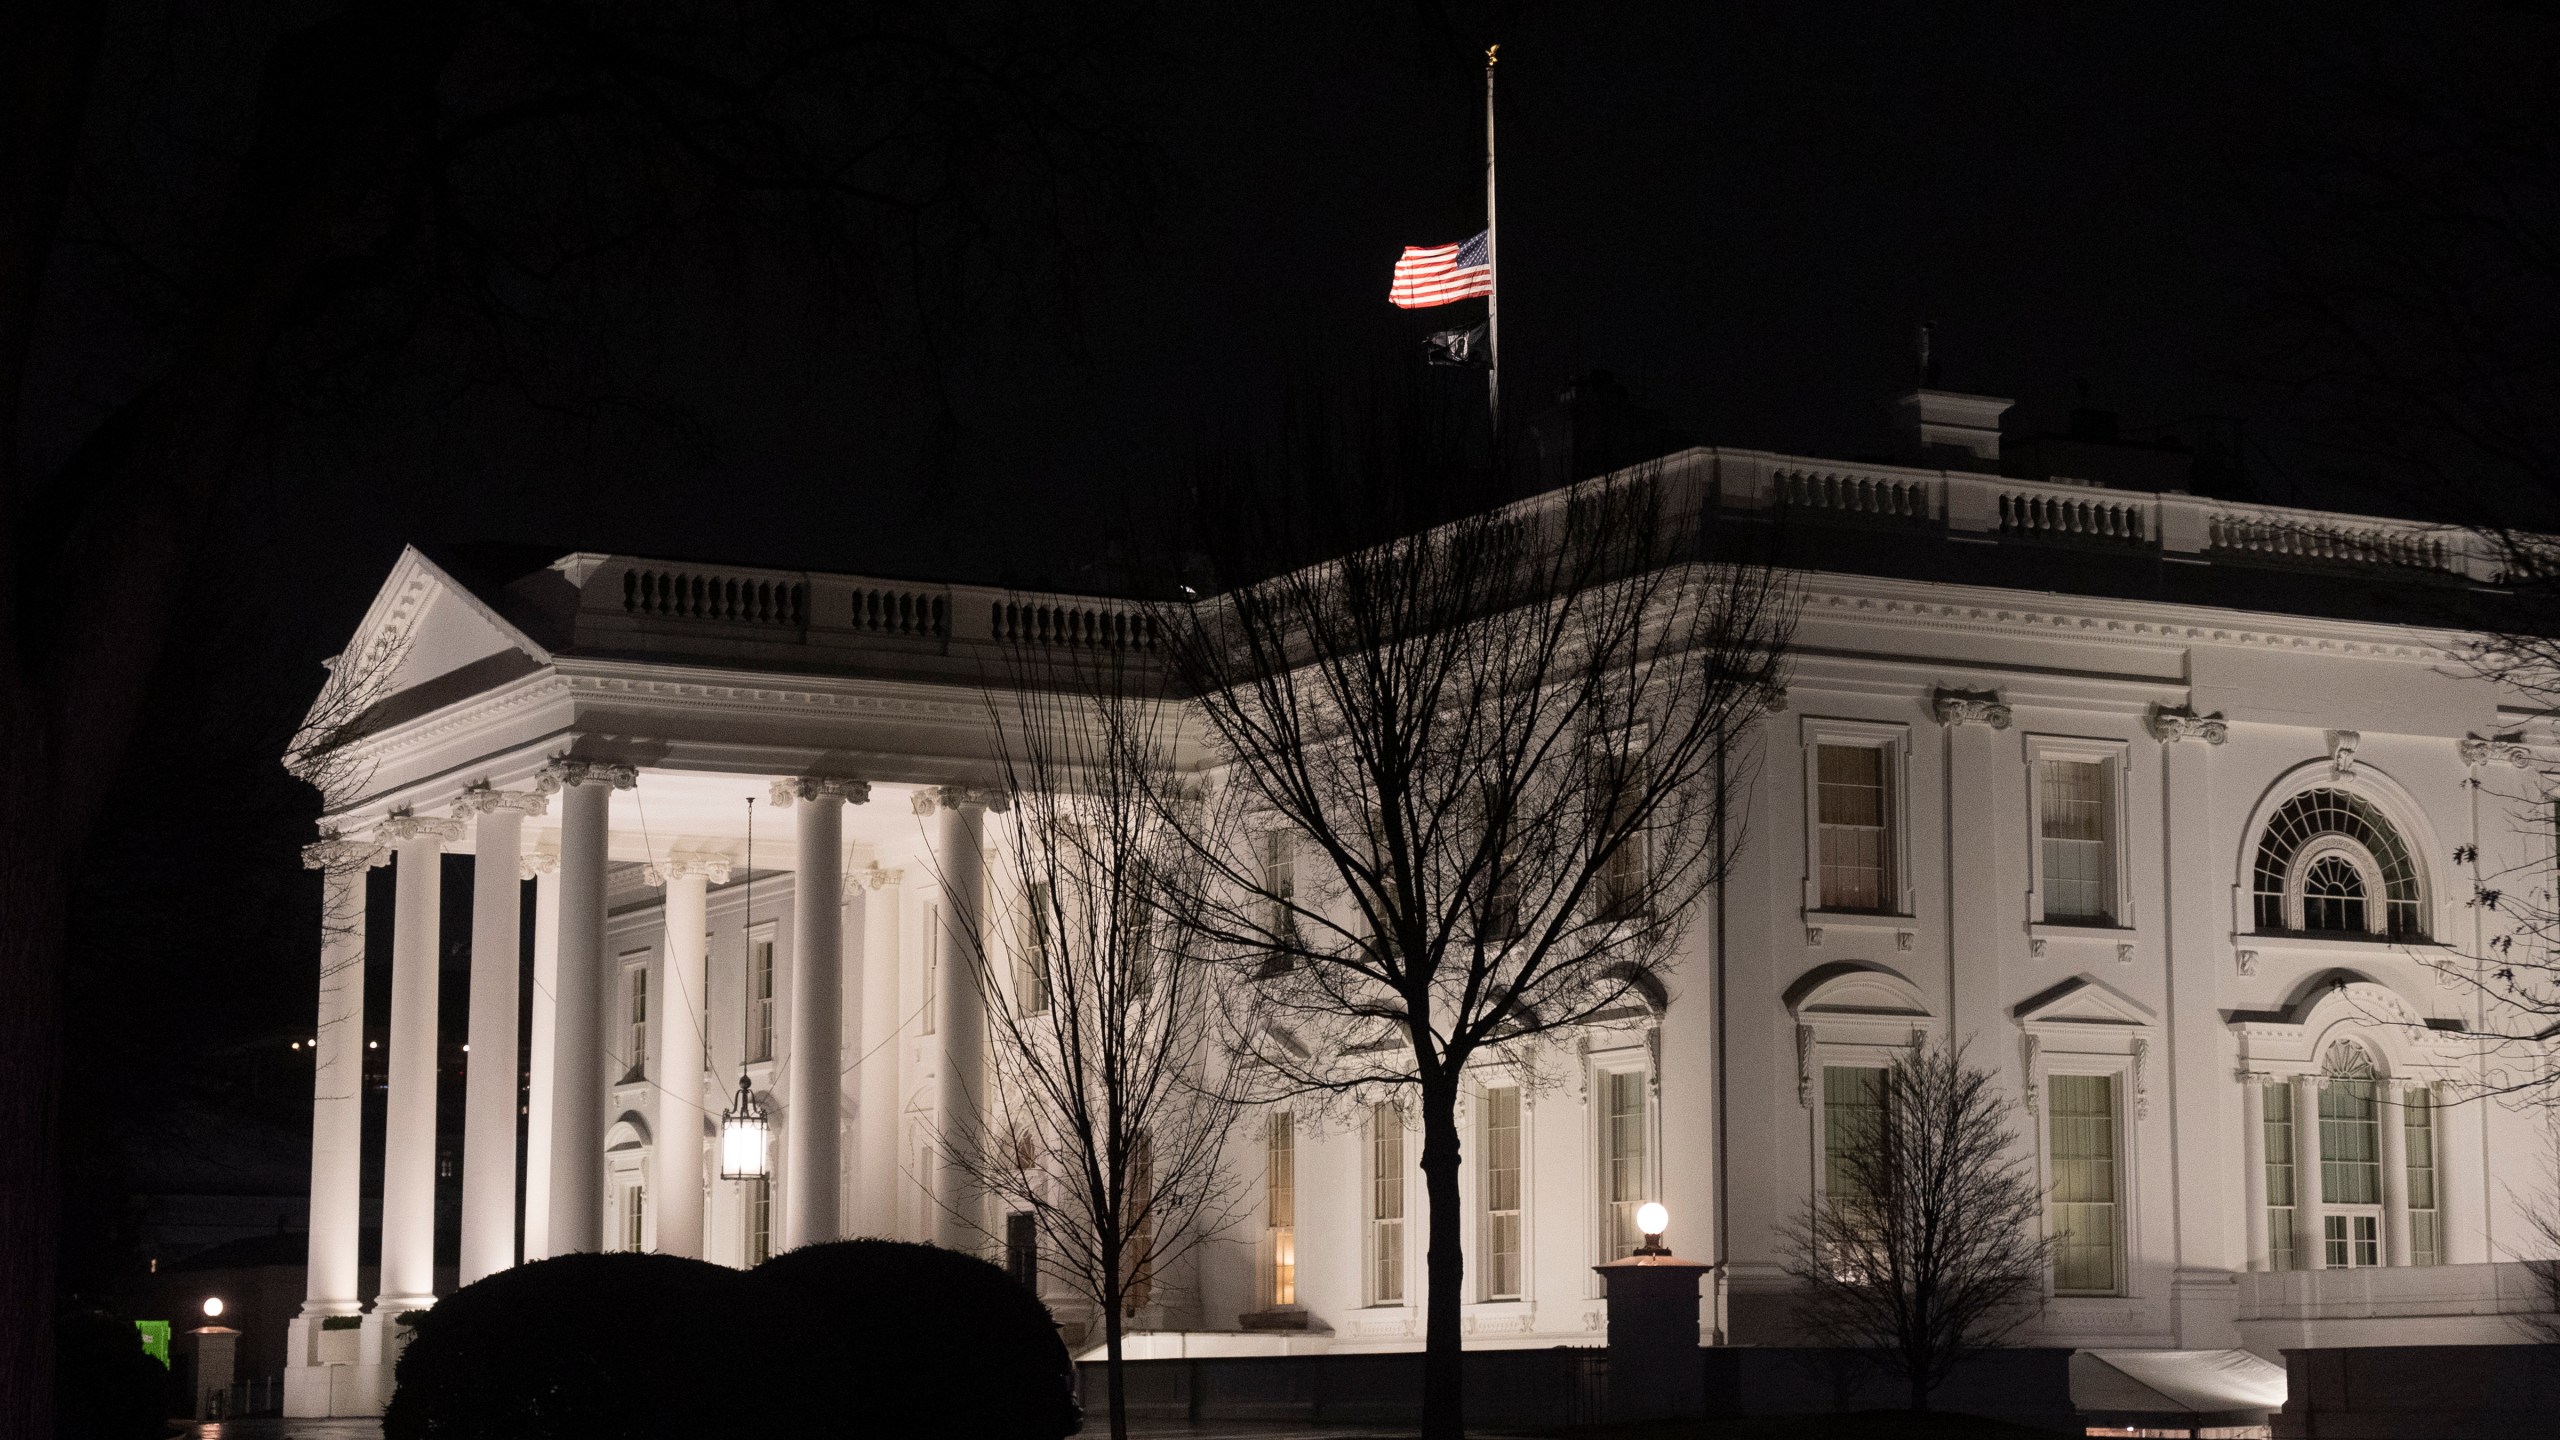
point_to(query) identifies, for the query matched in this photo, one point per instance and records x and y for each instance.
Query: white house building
(2168, 808)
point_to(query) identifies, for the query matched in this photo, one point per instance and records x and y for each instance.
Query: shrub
(632, 1346)
(915, 1340)
(105, 1386)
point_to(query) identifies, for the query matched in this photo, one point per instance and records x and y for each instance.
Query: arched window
(2329, 863)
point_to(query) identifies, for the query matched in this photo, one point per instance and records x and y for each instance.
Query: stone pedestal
(207, 1355)
(1655, 1370)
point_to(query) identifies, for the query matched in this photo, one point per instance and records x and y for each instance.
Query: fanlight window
(2330, 864)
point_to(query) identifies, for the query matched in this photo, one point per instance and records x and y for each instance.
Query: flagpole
(1493, 263)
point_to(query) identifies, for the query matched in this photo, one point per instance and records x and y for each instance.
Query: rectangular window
(1280, 1206)
(635, 1220)
(2275, 1100)
(1022, 1249)
(1502, 1193)
(1857, 858)
(2351, 1242)
(2077, 833)
(759, 1221)
(1617, 789)
(2083, 1128)
(1280, 887)
(1852, 1118)
(1625, 1179)
(932, 970)
(760, 999)
(2426, 1216)
(1031, 962)
(1386, 1204)
(2350, 1144)
(1499, 919)
(635, 1011)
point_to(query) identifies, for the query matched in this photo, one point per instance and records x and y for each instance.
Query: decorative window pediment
(1854, 1013)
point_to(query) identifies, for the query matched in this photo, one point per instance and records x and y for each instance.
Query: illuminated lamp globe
(213, 1307)
(1652, 1219)
(746, 1138)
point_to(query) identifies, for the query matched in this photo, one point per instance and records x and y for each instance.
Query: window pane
(1502, 1193)
(2426, 1233)
(2083, 1125)
(2276, 1100)
(1386, 1204)
(1852, 1113)
(2350, 1144)
(1625, 1180)
(2073, 825)
(1280, 1200)
(1851, 807)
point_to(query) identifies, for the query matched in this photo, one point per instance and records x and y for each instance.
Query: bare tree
(1470, 783)
(1107, 1118)
(1926, 1244)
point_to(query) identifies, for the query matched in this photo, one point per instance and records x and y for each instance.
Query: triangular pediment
(425, 640)
(2085, 1001)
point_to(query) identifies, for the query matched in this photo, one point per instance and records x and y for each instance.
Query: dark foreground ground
(1872, 1426)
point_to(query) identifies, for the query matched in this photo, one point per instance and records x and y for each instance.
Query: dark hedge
(105, 1385)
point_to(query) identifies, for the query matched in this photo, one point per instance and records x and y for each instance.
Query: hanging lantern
(746, 1138)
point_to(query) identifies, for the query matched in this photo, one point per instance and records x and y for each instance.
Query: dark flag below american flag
(1464, 348)
(1439, 274)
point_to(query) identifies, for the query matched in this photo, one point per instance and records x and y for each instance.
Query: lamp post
(746, 1138)
(1654, 1367)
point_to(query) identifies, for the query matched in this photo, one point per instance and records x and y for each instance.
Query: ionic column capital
(537, 862)
(480, 798)
(959, 797)
(401, 829)
(677, 865)
(820, 787)
(336, 852)
(2169, 724)
(565, 771)
(871, 877)
(1968, 707)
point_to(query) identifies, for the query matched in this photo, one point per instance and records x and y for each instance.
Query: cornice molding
(1903, 601)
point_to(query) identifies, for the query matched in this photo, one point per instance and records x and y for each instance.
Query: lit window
(1031, 963)
(1852, 1119)
(2083, 1129)
(760, 1000)
(2276, 1101)
(1625, 1179)
(636, 1012)
(2350, 1143)
(2426, 1218)
(635, 1228)
(2330, 863)
(2077, 835)
(1502, 1193)
(1857, 860)
(1386, 1204)
(1280, 1198)
(759, 1220)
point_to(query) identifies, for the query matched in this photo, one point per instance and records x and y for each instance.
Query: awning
(2182, 1382)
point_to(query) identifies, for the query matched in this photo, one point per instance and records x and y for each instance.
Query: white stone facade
(2031, 821)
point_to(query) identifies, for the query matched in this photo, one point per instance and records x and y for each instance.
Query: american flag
(1437, 274)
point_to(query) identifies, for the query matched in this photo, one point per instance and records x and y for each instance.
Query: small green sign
(155, 1339)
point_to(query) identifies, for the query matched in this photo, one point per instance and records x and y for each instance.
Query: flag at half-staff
(1430, 275)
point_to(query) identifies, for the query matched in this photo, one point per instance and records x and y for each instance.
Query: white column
(2309, 1250)
(675, 1186)
(409, 1116)
(337, 1079)
(489, 1071)
(2391, 1117)
(2195, 956)
(576, 1199)
(2253, 1169)
(542, 867)
(856, 930)
(1974, 815)
(812, 1169)
(883, 1018)
(961, 1022)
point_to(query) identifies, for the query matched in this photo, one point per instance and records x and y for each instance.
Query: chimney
(1947, 428)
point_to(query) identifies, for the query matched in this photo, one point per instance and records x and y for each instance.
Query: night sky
(1741, 211)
